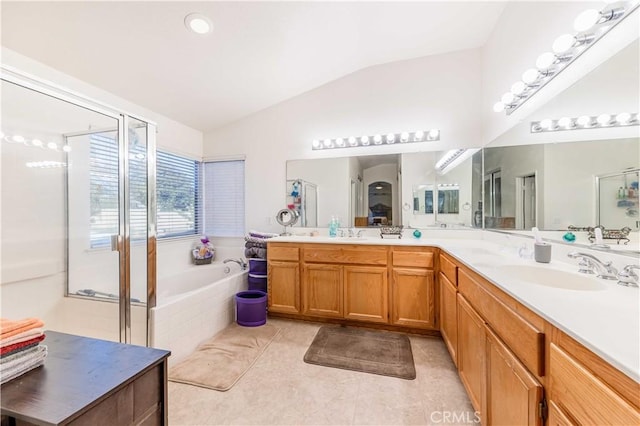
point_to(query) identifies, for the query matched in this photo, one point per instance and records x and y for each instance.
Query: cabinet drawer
(283, 253)
(525, 340)
(449, 269)
(147, 392)
(345, 255)
(583, 396)
(415, 258)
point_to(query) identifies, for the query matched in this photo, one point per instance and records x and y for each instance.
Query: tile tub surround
(607, 322)
(282, 389)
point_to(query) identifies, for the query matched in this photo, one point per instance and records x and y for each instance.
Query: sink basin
(550, 277)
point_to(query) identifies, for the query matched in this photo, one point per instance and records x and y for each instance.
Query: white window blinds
(177, 189)
(224, 198)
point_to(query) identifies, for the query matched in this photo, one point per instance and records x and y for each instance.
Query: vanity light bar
(45, 164)
(452, 158)
(590, 26)
(377, 140)
(623, 119)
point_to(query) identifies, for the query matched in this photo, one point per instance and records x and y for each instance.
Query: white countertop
(607, 321)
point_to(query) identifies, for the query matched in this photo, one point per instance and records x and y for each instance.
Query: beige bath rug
(219, 362)
(378, 352)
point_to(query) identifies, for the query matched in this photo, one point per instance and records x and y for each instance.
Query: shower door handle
(114, 243)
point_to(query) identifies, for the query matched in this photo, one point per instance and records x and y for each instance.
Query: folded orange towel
(10, 328)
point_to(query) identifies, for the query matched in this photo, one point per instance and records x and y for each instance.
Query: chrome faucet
(240, 262)
(627, 277)
(589, 262)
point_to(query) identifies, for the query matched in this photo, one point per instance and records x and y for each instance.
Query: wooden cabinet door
(322, 290)
(413, 298)
(366, 293)
(284, 287)
(583, 396)
(449, 316)
(513, 395)
(471, 352)
(557, 417)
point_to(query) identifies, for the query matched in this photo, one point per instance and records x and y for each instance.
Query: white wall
(441, 91)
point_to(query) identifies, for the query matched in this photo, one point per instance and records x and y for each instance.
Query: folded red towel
(10, 348)
(9, 327)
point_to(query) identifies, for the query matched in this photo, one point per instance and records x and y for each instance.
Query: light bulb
(52, 145)
(67, 148)
(391, 138)
(535, 128)
(316, 144)
(564, 43)
(564, 122)
(518, 87)
(547, 123)
(434, 134)
(604, 119)
(353, 141)
(418, 136)
(377, 139)
(584, 121)
(507, 98)
(36, 142)
(545, 60)
(340, 142)
(404, 137)
(17, 139)
(198, 23)
(364, 140)
(586, 20)
(530, 76)
(623, 118)
(327, 143)
(498, 107)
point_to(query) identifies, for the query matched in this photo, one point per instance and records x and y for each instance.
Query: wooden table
(89, 381)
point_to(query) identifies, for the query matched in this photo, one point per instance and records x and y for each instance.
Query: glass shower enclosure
(77, 212)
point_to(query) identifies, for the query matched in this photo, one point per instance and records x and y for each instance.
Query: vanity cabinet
(448, 282)
(413, 290)
(365, 293)
(283, 276)
(345, 281)
(512, 394)
(585, 390)
(471, 352)
(323, 291)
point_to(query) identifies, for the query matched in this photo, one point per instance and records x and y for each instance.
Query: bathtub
(193, 305)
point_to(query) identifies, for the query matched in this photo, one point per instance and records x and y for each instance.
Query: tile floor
(281, 389)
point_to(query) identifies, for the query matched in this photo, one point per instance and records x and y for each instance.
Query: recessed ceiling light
(198, 23)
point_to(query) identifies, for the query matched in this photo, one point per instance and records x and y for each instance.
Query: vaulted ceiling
(259, 53)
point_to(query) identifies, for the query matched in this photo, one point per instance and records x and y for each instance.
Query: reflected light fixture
(590, 26)
(622, 119)
(366, 140)
(198, 23)
(452, 158)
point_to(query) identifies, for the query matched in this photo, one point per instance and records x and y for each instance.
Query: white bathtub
(193, 305)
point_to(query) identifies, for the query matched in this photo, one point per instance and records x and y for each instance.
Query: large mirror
(571, 178)
(400, 189)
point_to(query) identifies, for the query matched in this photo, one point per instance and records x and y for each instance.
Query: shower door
(78, 220)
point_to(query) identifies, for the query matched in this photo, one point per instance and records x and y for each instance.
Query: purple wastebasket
(251, 308)
(257, 282)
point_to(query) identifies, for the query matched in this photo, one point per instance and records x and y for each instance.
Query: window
(177, 192)
(224, 198)
(177, 189)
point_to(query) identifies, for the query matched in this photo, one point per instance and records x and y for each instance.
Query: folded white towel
(23, 364)
(18, 355)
